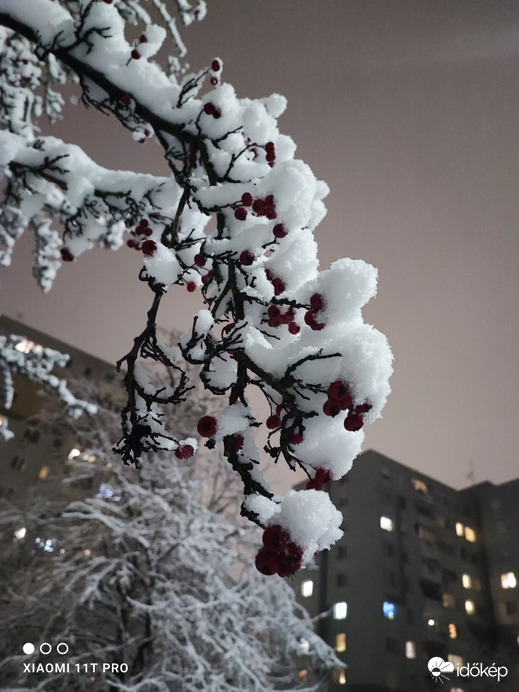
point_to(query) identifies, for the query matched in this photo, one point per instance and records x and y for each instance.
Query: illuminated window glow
(44, 472)
(307, 588)
(304, 645)
(340, 610)
(420, 486)
(339, 676)
(508, 580)
(470, 534)
(453, 631)
(74, 452)
(340, 642)
(431, 622)
(389, 610)
(20, 533)
(410, 650)
(448, 600)
(466, 580)
(386, 523)
(469, 607)
(460, 529)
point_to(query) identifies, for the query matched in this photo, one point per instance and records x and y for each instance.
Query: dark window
(340, 580)
(388, 549)
(511, 607)
(32, 435)
(87, 372)
(18, 463)
(431, 589)
(342, 552)
(392, 644)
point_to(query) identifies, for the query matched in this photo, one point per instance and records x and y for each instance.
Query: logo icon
(438, 667)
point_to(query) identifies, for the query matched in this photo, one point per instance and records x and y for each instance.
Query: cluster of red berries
(143, 230)
(66, 255)
(312, 318)
(321, 478)
(211, 109)
(270, 151)
(215, 67)
(279, 284)
(340, 399)
(276, 318)
(261, 207)
(279, 554)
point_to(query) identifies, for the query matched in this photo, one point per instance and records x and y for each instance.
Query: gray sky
(409, 110)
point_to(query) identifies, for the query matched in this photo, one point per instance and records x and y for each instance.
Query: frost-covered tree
(234, 221)
(148, 578)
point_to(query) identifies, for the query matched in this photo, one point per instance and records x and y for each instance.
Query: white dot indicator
(28, 648)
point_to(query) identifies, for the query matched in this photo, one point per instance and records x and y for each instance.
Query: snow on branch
(18, 356)
(270, 319)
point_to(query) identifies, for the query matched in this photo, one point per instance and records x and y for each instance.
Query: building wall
(420, 573)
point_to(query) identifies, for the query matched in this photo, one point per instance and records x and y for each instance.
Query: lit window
(74, 452)
(339, 676)
(86, 456)
(431, 622)
(303, 674)
(466, 581)
(2, 421)
(420, 486)
(20, 533)
(307, 588)
(469, 607)
(508, 580)
(410, 650)
(340, 610)
(456, 689)
(389, 610)
(453, 631)
(448, 600)
(455, 660)
(470, 534)
(386, 523)
(460, 529)
(340, 642)
(44, 472)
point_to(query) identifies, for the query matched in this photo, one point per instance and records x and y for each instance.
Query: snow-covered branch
(270, 319)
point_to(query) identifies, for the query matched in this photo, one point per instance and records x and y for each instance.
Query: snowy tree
(150, 580)
(234, 222)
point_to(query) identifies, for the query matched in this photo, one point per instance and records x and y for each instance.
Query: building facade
(422, 572)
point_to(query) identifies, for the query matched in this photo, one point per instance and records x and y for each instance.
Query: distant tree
(147, 570)
(234, 221)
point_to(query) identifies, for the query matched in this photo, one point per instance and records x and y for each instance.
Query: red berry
(149, 248)
(215, 66)
(238, 442)
(267, 562)
(279, 230)
(209, 108)
(274, 311)
(321, 478)
(331, 408)
(207, 278)
(273, 422)
(217, 113)
(207, 426)
(240, 213)
(295, 438)
(275, 321)
(270, 212)
(135, 54)
(184, 451)
(340, 391)
(199, 260)
(191, 286)
(279, 286)
(126, 99)
(132, 243)
(289, 316)
(143, 38)
(291, 559)
(353, 422)
(269, 146)
(275, 537)
(311, 321)
(363, 408)
(294, 328)
(316, 302)
(247, 258)
(271, 156)
(214, 82)
(258, 206)
(246, 199)
(109, 2)
(66, 255)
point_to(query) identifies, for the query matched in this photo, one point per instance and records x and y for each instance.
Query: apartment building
(422, 572)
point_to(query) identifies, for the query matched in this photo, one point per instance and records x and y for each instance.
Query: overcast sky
(409, 110)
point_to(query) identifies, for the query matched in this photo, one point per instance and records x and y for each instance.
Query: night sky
(409, 110)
